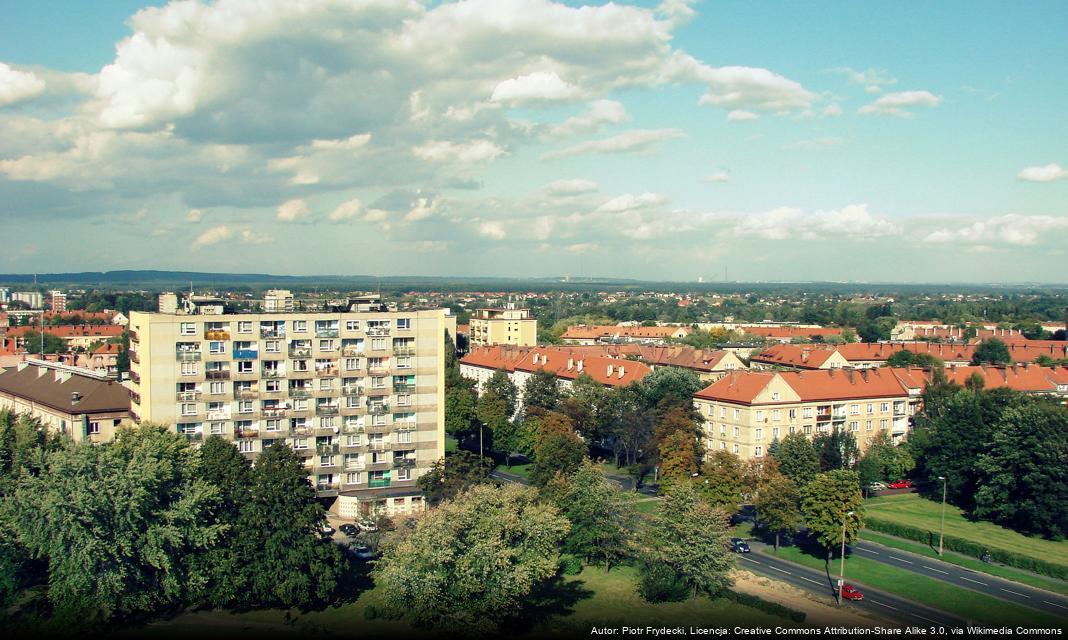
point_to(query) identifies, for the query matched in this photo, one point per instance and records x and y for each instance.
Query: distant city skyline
(878, 142)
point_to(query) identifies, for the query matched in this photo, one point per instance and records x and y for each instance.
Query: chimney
(75, 397)
(849, 374)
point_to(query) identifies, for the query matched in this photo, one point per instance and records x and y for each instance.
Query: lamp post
(481, 465)
(841, 573)
(942, 527)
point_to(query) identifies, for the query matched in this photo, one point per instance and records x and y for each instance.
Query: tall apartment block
(358, 393)
(509, 326)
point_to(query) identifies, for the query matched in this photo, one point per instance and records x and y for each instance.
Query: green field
(1016, 575)
(976, 607)
(594, 596)
(914, 510)
(451, 444)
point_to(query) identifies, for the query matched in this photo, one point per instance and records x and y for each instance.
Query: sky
(673, 140)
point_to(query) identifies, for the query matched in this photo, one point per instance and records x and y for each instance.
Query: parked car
(739, 546)
(368, 525)
(362, 552)
(328, 530)
(901, 484)
(877, 486)
(849, 592)
(349, 529)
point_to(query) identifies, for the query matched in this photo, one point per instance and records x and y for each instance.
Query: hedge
(774, 608)
(969, 548)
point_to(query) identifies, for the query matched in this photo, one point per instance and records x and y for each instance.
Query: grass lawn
(521, 470)
(592, 597)
(451, 444)
(917, 511)
(976, 607)
(1016, 575)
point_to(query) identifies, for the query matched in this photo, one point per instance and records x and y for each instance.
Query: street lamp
(942, 527)
(841, 573)
(481, 465)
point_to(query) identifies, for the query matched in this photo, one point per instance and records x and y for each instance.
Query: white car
(877, 486)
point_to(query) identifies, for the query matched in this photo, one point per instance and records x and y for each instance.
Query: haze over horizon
(873, 142)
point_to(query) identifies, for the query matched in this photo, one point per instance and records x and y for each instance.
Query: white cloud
(741, 116)
(247, 236)
(346, 210)
(468, 152)
(676, 11)
(739, 87)
(570, 187)
(492, 229)
(630, 202)
(1048, 173)
(894, 104)
(785, 223)
(814, 144)
(600, 112)
(832, 111)
(1009, 229)
(16, 86)
(194, 215)
(423, 208)
(717, 177)
(533, 88)
(293, 211)
(626, 142)
(212, 236)
(873, 80)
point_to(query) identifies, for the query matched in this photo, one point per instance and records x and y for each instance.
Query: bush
(570, 565)
(968, 548)
(774, 608)
(657, 582)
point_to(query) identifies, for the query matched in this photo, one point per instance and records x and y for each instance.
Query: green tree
(992, 351)
(721, 480)
(221, 465)
(453, 475)
(557, 448)
(837, 450)
(825, 503)
(692, 538)
(586, 404)
(778, 507)
(460, 411)
(668, 387)
(470, 564)
(906, 358)
(501, 386)
(798, 459)
(601, 517)
(52, 343)
(118, 524)
(678, 459)
(284, 560)
(541, 391)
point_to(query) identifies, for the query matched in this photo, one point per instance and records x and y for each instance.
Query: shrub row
(774, 608)
(969, 548)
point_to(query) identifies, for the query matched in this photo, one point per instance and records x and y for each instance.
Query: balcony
(134, 337)
(219, 415)
(326, 410)
(404, 463)
(187, 356)
(405, 426)
(327, 333)
(327, 449)
(379, 370)
(404, 388)
(273, 412)
(404, 351)
(246, 433)
(302, 431)
(299, 352)
(378, 484)
(378, 331)
(134, 357)
(380, 446)
(245, 354)
(351, 389)
(353, 429)
(352, 351)
(327, 372)
(247, 394)
(273, 373)
(304, 452)
(187, 396)
(216, 334)
(272, 333)
(300, 374)
(326, 488)
(354, 466)
(194, 437)
(378, 409)
(297, 392)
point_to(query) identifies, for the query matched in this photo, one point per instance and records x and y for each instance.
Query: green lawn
(451, 444)
(1016, 575)
(917, 511)
(594, 597)
(976, 607)
(521, 470)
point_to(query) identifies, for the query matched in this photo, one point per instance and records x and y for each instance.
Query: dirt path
(819, 611)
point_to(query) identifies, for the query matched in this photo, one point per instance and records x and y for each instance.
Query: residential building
(66, 400)
(77, 336)
(358, 394)
(745, 412)
(596, 334)
(5, 294)
(796, 356)
(168, 302)
(509, 326)
(59, 301)
(32, 299)
(277, 301)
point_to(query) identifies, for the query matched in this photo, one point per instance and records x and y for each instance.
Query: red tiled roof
(593, 332)
(607, 371)
(108, 349)
(794, 355)
(495, 357)
(71, 331)
(740, 387)
(811, 386)
(790, 332)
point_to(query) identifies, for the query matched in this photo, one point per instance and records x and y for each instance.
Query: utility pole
(942, 527)
(841, 572)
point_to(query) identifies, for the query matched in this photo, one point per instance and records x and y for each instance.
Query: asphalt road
(1042, 600)
(880, 603)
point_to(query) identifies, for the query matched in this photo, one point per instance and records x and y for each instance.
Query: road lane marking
(883, 605)
(810, 580)
(938, 570)
(901, 559)
(782, 570)
(975, 581)
(874, 553)
(923, 618)
(1016, 593)
(1055, 604)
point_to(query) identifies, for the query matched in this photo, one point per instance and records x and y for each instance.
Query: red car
(849, 592)
(901, 484)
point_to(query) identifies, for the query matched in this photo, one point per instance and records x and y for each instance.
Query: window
(758, 451)
(352, 364)
(884, 407)
(806, 412)
(352, 325)
(793, 414)
(217, 388)
(854, 409)
(775, 433)
(326, 461)
(244, 406)
(775, 396)
(300, 443)
(244, 326)
(723, 412)
(854, 425)
(189, 368)
(244, 366)
(808, 429)
(402, 362)
(404, 474)
(327, 345)
(793, 429)
(273, 386)
(216, 347)
(94, 427)
(267, 443)
(272, 425)
(272, 346)
(403, 437)
(737, 449)
(722, 429)
(871, 408)
(352, 478)
(737, 414)
(736, 432)
(722, 445)
(759, 434)
(404, 400)
(353, 441)
(883, 424)
(326, 384)
(776, 414)
(189, 409)
(188, 328)
(246, 446)
(300, 326)
(868, 425)
(760, 415)
(327, 422)
(379, 420)
(217, 428)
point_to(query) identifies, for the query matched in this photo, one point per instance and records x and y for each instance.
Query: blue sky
(833, 140)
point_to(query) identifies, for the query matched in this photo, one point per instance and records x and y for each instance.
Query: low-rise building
(80, 336)
(596, 334)
(66, 400)
(796, 356)
(509, 326)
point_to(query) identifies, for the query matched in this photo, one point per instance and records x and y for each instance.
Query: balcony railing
(377, 484)
(378, 331)
(379, 370)
(404, 388)
(218, 415)
(194, 437)
(272, 333)
(247, 394)
(327, 372)
(378, 409)
(403, 463)
(246, 433)
(274, 412)
(300, 352)
(187, 356)
(380, 446)
(353, 429)
(352, 389)
(327, 487)
(404, 351)
(327, 333)
(300, 373)
(187, 396)
(245, 354)
(299, 393)
(327, 449)
(302, 431)
(327, 410)
(304, 452)
(216, 334)
(352, 351)
(273, 373)
(354, 466)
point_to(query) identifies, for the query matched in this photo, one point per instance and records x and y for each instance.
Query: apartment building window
(216, 347)
(273, 386)
(327, 422)
(403, 324)
(404, 400)
(792, 429)
(378, 382)
(822, 428)
(760, 415)
(244, 326)
(244, 366)
(94, 428)
(737, 414)
(854, 409)
(379, 420)
(352, 325)
(326, 384)
(722, 445)
(300, 443)
(352, 478)
(871, 407)
(300, 404)
(189, 409)
(806, 412)
(759, 435)
(300, 326)
(403, 437)
(404, 474)
(868, 425)
(326, 461)
(883, 424)
(273, 425)
(792, 413)
(854, 425)
(352, 364)
(402, 362)
(776, 414)
(808, 429)
(884, 407)
(246, 446)
(737, 449)
(188, 328)
(216, 428)
(775, 433)
(378, 344)
(758, 452)
(736, 431)
(244, 406)
(327, 345)
(775, 396)
(267, 443)
(189, 368)
(722, 429)
(723, 412)
(352, 402)
(272, 346)
(352, 441)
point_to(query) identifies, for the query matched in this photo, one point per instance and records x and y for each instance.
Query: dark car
(327, 530)
(901, 484)
(739, 546)
(849, 592)
(349, 529)
(362, 552)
